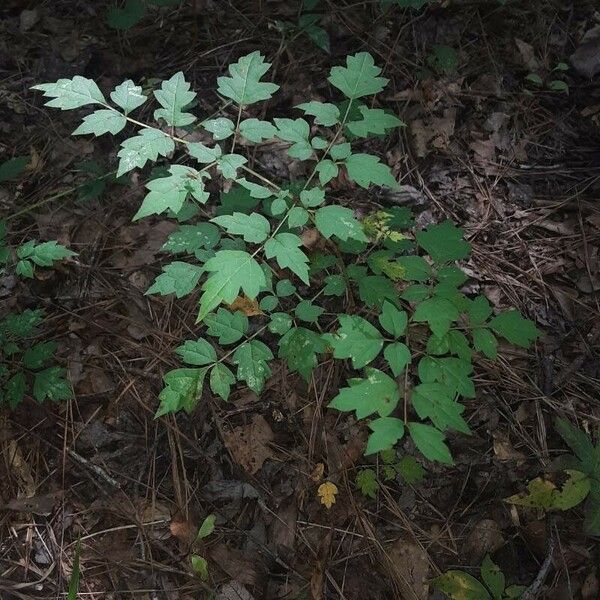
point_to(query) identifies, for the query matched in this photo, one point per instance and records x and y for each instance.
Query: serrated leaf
(324, 113)
(299, 347)
(15, 389)
(221, 379)
(22, 324)
(182, 392)
(307, 311)
(397, 356)
(71, 93)
(374, 290)
(255, 130)
(174, 95)
(335, 285)
(378, 393)
(228, 326)
(327, 170)
(204, 154)
(228, 164)
(243, 85)
(416, 268)
(340, 151)
(101, 122)
(312, 197)
(297, 217)
(410, 470)
(24, 268)
(251, 359)
(35, 356)
(221, 128)
(189, 238)
(44, 254)
(365, 169)
(327, 492)
(443, 242)
(197, 352)
(147, 145)
(284, 247)
(440, 313)
(435, 401)
(374, 121)
(479, 310)
(454, 373)
(297, 132)
(366, 482)
(386, 431)
(253, 228)
(513, 327)
(230, 271)
(493, 577)
(280, 323)
(430, 442)
(359, 77)
(256, 190)
(128, 96)
(459, 585)
(51, 383)
(394, 321)
(356, 339)
(179, 278)
(339, 221)
(484, 341)
(169, 193)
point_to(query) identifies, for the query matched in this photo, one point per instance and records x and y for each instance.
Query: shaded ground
(516, 166)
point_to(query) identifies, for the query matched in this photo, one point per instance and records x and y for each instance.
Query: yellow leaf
(249, 307)
(326, 493)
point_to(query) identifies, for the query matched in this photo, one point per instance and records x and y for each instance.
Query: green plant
(130, 12)
(24, 362)
(459, 585)
(553, 81)
(582, 470)
(307, 25)
(198, 562)
(376, 293)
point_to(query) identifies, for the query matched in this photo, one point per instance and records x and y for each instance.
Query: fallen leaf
(234, 590)
(246, 305)
(317, 472)
(409, 566)
(236, 563)
(485, 538)
(327, 492)
(249, 444)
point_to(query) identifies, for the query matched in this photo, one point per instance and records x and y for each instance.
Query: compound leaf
(173, 96)
(435, 401)
(443, 242)
(255, 130)
(147, 145)
(71, 93)
(513, 327)
(101, 122)
(359, 77)
(324, 113)
(243, 85)
(179, 278)
(230, 271)
(251, 359)
(386, 431)
(221, 379)
(365, 169)
(253, 227)
(197, 352)
(377, 394)
(128, 96)
(374, 121)
(299, 347)
(284, 247)
(228, 326)
(357, 339)
(430, 441)
(339, 221)
(52, 384)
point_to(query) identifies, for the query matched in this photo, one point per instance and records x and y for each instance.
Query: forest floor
(516, 164)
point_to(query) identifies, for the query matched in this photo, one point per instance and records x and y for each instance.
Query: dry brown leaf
(248, 306)
(485, 538)
(504, 450)
(249, 444)
(409, 566)
(317, 472)
(236, 563)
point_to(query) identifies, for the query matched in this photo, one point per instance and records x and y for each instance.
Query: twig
(533, 591)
